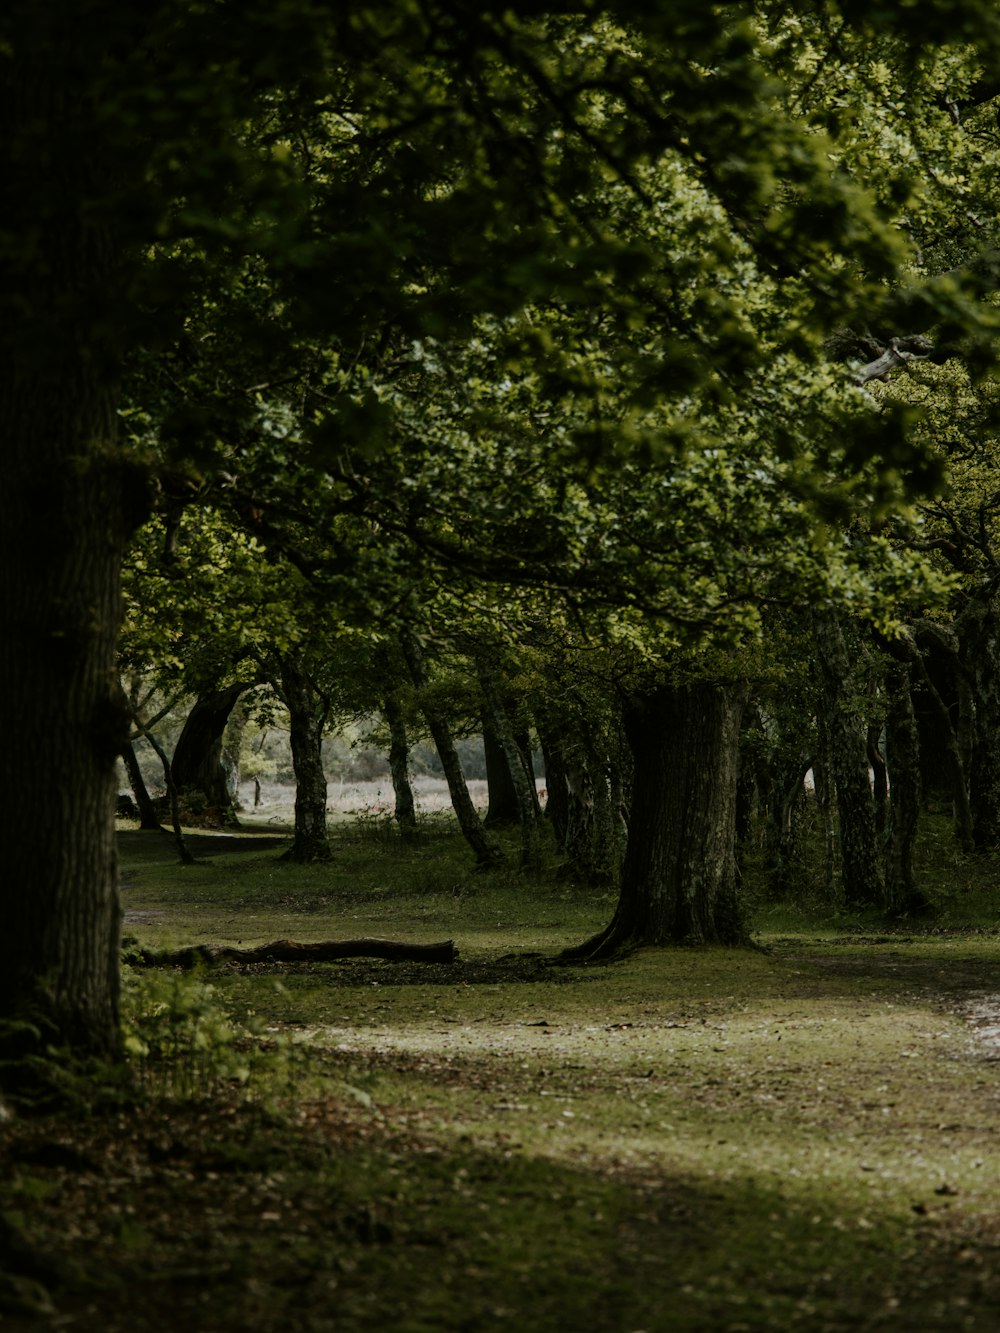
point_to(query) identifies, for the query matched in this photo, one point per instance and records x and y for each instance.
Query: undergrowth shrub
(181, 1040)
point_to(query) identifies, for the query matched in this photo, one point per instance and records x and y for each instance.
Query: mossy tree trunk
(399, 768)
(307, 713)
(197, 765)
(679, 880)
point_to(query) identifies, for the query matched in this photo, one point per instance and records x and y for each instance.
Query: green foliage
(178, 1036)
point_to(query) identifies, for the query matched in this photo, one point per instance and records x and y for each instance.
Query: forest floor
(805, 1135)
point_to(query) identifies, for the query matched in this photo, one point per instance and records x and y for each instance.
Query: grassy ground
(802, 1136)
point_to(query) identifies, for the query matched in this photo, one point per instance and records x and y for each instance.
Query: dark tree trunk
(679, 881)
(527, 804)
(67, 505)
(902, 743)
(861, 871)
(586, 797)
(823, 792)
(880, 778)
(173, 800)
(399, 767)
(306, 720)
(198, 770)
(503, 808)
(979, 634)
(486, 852)
(556, 781)
(952, 737)
(522, 739)
(782, 837)
(148, 818)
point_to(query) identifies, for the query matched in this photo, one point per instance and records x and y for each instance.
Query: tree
(346, 186)
(197, 758)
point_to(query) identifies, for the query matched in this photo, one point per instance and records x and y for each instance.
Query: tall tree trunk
(503, 807)
(679, 881)
(879, 779)
(173, 800)
(979, 636)
(399, 767)
(67, 505)
(197, 765)
(148, 819)
(556, 781)
(782, 835)
(527, 806)
(306, 720)
(953, 736)
(903, 897)
(487, 853)
(522, 738)
(862, 876)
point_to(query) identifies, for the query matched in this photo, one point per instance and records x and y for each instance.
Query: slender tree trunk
(556, 780)
(487, 853)
(679, 881)
(880, 778)
(822, 770)
(861, 867)
(957, 753)
(522, 739)
(527, 806)
(148, 819)
(903, 897)
(197, 764)
(399, 767)
(173, 800)
(306, 721)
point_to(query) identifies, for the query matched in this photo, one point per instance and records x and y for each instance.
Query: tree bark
(197, 761)
(399, 767)
(486, 852)
(556, 781)
(879, 778)
(524, 791)
(679, 881)
(903, 897)
(786, 797)
(68, 502)
(148, 818)
(306, 720)
(862, 876)
(979, 638)
(503, 807)
(954, 739)
(173, 800)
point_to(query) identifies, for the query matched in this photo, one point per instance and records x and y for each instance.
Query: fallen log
(291, 951)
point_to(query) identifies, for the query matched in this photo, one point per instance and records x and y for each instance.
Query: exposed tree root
(608, 945)
(290, 951)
